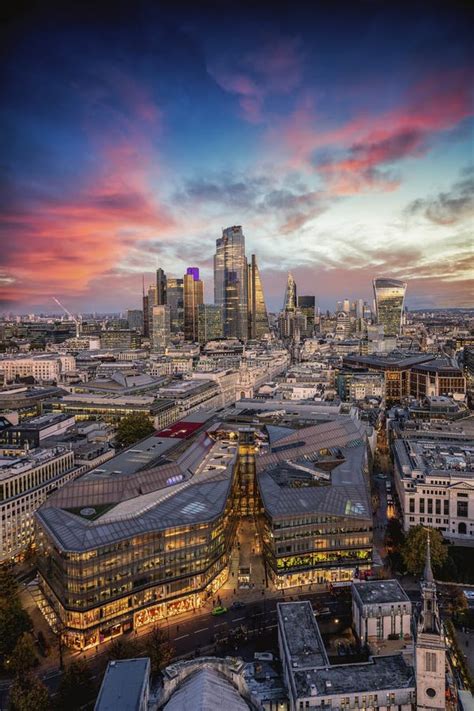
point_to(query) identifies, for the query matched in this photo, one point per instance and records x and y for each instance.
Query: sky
(340, 136)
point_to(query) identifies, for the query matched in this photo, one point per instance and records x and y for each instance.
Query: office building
(193, 298)
(389, 302)
(146, 317)
(434, 484)
(175, 300)
(120, 339)
(306, 305)
(210, 325)
(42, 367)
(436, 378)
(27, 478)
(35, 430)
(290, 301)
(381, 610)
(161, 327)
(135, 319)
(257, 317)
(152, 300)
(230, 282)
(161, 288)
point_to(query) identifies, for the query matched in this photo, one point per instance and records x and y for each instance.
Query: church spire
(428, 576)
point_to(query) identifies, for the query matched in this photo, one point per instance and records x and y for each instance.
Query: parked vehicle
(237, 605)
(219, 610)
(263, 656)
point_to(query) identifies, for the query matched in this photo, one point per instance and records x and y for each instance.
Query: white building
(26, 479)
(381, 610)
(435, 485)
(40, 367)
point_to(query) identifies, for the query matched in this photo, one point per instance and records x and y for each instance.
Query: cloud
(359, 155)
(273, 69)
(448, 208)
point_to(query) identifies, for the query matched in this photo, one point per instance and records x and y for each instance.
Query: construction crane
(73, 318)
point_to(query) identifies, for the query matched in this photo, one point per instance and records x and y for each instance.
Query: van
(263, 657)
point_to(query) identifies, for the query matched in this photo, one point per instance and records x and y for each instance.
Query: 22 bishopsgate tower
(237, 287)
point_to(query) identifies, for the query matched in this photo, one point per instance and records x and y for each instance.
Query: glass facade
(161, 328)
(230, 282)
(209, 322)
(175, 300)
(258, 317)
(290, 294)
(193, 298)
(389, 299)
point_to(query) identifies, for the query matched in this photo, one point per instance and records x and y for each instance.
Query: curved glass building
(389, 300)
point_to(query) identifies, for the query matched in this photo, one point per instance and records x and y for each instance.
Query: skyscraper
(160, 287)
(193, 297)
(151, 302)
(389, 300)
(175, 300)
(209, 322)
(257, 311)
(230, 281)
(135, 319)
(290, 294)
(306, 305)
(161, 329)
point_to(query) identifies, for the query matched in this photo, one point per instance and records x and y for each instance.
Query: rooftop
(376, 592)
(435, 457)
(301, 634)
(123, 685)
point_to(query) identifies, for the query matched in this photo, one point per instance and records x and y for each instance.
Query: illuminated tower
(290, 294)
(161, 329)
(257, 311)
(389, 300)
(193, 297)
(160, 287)
(230, 282)
(175, 300)
(430, 658)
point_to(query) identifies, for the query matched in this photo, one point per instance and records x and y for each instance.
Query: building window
(462, 508)
(438, 506)
(446, 507)
(412, 505)
(430, 506)
(422, 506)
(430, 661)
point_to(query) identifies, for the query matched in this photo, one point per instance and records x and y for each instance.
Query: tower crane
(73, 318)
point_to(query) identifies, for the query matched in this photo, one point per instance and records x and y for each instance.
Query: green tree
(8, 583)
(23, 658)
(76, 688)
(14, 621)
(133, 428)
(158, 648)
(414, 549)
(27, 693)
(394, 536)
(122, 648)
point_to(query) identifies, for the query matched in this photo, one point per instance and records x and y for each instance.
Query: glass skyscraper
(257, 311)
(230, 282)
(193, 297)
(389, 301)
(209, 322)
(161, 328)
(175, 300)
(160, 287)
(290, 294)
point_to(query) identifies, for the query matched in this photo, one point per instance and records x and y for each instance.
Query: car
(219, 610)
(237, 605)
(263, 656)
(323, 611)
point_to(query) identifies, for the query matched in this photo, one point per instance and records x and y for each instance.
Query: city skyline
(132, 138)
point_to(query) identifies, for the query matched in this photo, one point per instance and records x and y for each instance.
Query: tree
(133, 428)
(394, 536)
(27, 693)
(23, 658)
(158, 648)
(414, 549)
(14, 621)
(8, 583)
(76, 687)
(122, 649)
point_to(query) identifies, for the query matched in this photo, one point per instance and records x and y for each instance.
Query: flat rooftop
(376, 592)
(377, 675)
(123, 685)
(435, 457)
(301, 634)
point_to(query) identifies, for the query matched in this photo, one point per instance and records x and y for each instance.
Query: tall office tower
(146, 322)
(338, 306)
(193, 297)
(389, 301)
(307, 305)
(230, 282)
(359, 308)
(258, 317)
(209, 322)
(290, 294)
(135, 319)
(152, 300)
(175, 300)
(160, 287)
(161, 327)
(346, 306)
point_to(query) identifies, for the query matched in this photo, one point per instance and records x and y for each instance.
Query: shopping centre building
(150, 533)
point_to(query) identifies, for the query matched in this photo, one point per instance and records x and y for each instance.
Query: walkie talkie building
(389, 300)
